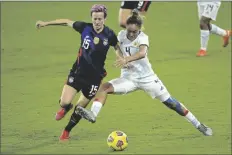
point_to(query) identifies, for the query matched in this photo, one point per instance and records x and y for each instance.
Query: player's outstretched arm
(118, 52)
(59, 22)
(119, 57)
(141, 54)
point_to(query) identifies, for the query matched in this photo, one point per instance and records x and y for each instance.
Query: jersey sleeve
(120, 36)
(144, 40)
(79, 26)
(113, 39)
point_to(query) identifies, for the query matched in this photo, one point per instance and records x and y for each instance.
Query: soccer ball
(117, 140)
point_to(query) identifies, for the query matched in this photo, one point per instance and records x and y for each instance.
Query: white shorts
(154, 88)
(208, 9)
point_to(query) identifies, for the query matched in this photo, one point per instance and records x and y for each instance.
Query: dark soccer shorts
(89, 88)
(140, 5)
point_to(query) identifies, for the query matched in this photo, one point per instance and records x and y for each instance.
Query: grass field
(35, 64)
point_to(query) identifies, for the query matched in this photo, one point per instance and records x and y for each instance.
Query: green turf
(35, 64)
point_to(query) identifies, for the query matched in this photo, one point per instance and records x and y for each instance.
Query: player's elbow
(142, 54)
(143, 51)
(106, 88)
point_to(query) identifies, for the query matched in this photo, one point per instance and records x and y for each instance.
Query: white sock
(204, 39)
(217, 30)
(191, 118)
(96, 107)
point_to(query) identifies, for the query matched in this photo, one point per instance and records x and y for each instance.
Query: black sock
(67, 107)
(75, 118)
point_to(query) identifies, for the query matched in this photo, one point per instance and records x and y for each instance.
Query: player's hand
(121, 62)
(40, 24)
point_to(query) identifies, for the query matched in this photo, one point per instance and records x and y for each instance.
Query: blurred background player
(137, 74)
(88, 70)
(128, 6)
(207, 11)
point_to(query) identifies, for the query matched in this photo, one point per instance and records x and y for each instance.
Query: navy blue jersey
(93, 50)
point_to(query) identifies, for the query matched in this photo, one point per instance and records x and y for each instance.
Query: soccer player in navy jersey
(88, 70)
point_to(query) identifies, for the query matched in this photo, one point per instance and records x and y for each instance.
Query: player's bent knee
(107, 88)
(204, 22)
(122, 21)
(122, 24)
(203, 26)
(64, 101)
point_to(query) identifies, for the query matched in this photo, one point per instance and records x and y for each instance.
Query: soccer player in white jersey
(207, 11)
(137, 74)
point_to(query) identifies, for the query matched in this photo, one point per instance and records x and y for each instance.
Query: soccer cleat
(86, 114)
(227, 37)
(205, 130)
(62, 112)
(64, 136)
(201, 53)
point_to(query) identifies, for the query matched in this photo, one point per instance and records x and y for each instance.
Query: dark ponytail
(135, 18)
(135, 13)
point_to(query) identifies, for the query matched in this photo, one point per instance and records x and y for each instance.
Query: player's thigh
(154, 88)
(123, 86)
(125, 11)
(123, 15)
(90, 88)
(72, 87)
(68, 94)
(83, 101)
(211, 10)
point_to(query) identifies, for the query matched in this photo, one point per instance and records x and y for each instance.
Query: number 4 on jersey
(128, 50)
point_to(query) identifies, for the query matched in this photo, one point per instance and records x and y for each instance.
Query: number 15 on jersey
(86, 43)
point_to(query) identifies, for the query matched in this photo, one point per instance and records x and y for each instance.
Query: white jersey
(140, 69)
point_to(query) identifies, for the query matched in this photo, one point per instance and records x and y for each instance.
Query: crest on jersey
(105, 42)
(71, 79)
(136, 44)
(96, 40)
